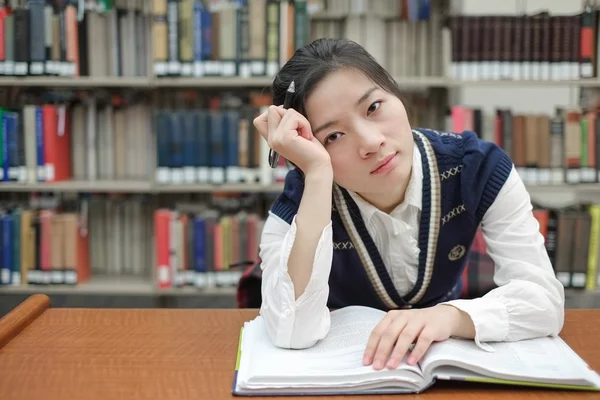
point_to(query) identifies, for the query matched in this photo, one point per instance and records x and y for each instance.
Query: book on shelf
(180, 137)
(42, 247)
(69, 241)
(571, 239)
(204, 249)
(538, 46)
(545, 149)
(334, 364)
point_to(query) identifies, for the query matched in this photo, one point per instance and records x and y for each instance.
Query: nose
(370, 141)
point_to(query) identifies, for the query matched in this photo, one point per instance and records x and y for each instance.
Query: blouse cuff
(489, 317)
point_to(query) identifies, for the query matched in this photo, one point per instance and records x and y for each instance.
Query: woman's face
(366, 132)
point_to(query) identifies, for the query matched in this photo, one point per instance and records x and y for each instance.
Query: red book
(164, 273)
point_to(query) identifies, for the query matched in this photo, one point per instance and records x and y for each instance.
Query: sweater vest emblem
(457, 252)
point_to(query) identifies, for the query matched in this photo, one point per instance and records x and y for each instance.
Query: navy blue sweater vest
(462, 176)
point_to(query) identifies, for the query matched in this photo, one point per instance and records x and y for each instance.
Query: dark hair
(313, 62)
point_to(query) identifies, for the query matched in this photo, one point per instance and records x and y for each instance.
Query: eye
(332, 137)
(374, 107)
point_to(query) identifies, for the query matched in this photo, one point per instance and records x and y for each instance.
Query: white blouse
(529, 301)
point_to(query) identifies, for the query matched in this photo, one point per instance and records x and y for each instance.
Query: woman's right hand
(289, 133)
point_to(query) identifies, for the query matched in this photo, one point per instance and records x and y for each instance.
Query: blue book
(39, 141)
(16, 261)
(232, 147)
(6, 225)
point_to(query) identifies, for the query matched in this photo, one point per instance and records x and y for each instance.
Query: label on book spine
(258, 68)
(23, 174)
(70, 277)
(179, 278)
(57, 277)
(36, 68)
(189, 175)
(21, 69)
(245, 70)
(174, 68)
(9, 67)
(228, 68)
(198, 69)
(578, 279)
(16, 278)
(50, 172)
(160, 69)
(5, 276)
(233, 174)
(573, 175)
(176, 175)
(190, 277)
(164, 278)
(272, 68)
(163, 175)
(203, 174)
(217, 175)
(201, 280)
(564, 278)
(187, 69)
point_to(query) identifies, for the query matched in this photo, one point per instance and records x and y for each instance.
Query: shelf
(405, 82)
(214, 82)
(136, 186)
(126, 186)
(82, 82)
(130, 286)
(586, 192)
(209, 188)
(525, 83)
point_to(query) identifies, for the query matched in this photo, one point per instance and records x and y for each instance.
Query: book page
(545, 359)
(339, 352)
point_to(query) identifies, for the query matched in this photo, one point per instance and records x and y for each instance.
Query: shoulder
(454, 144)
(287, 203)
(484, 166)
(465, 146)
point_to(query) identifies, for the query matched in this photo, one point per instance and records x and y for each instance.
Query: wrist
(322, 173)
(462, 325)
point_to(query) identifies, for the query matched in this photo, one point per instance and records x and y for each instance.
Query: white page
(541, 359)
(339, 353)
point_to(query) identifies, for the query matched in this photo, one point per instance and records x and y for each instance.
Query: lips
(383, 162)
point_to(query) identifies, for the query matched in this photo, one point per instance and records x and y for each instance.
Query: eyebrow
(362, 98)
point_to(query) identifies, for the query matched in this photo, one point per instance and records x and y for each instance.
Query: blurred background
(131, 175)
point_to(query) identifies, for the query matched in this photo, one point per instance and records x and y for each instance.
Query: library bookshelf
(140, 65)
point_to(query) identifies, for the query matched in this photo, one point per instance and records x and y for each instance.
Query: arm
(529, 301)
(296, 262)
(314, 214)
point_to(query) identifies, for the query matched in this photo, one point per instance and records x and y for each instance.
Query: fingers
(405, 339)
(292, 119)
(374, 339)
(268, 122)
(423, 343)
(273, 121)
(261, 122)
(388, 344)
(391, 339)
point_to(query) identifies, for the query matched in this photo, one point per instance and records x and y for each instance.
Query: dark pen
(287, 103)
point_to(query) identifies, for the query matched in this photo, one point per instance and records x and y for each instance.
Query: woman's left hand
(390, 340)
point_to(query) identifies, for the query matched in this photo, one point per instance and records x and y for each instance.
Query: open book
(334, 365)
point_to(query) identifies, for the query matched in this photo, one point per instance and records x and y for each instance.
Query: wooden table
(127, 354)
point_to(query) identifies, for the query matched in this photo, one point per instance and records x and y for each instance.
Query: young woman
(380, 214)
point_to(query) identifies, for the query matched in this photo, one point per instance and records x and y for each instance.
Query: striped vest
(462, 176)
